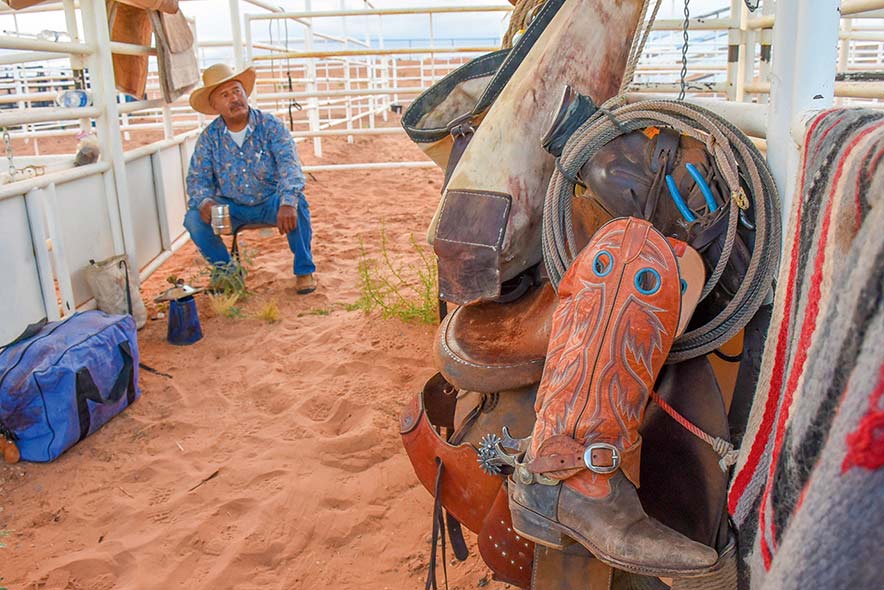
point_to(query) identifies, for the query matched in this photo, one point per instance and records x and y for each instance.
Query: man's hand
(206, 210)
(286, 219)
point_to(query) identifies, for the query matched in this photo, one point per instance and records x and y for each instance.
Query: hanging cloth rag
(176, 55)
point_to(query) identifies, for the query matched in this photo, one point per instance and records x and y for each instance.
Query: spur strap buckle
(602, 469)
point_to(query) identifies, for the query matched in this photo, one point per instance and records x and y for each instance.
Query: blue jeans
(214, 250)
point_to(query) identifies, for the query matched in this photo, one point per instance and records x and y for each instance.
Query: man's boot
(618, 313)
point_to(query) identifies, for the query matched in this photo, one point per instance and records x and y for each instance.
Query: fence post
(236, 29)
(108, 122)
(313, 102)
(805, 57)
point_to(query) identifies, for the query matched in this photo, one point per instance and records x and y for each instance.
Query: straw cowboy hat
(213, 77)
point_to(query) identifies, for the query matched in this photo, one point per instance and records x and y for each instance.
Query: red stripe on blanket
(865, 445)
(808, 328)
(745, 475)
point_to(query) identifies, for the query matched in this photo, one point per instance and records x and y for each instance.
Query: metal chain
(7, 140)
(684, 50)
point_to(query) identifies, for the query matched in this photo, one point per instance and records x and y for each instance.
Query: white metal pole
(805, 54)
(236, 29)
(159, 187)
(36, 217)
(348, 109)
(313, 105)
(737, 51)
(108, 123)
(764, 51)
(432, 56)
(370, 70)
(844, 49)
(70, 17)
(384, 80)
(59, 256)
(249, 47)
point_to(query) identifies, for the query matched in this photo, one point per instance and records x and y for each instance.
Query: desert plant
(229, 278)
(269, 313)
(224, 304)
(405, 291)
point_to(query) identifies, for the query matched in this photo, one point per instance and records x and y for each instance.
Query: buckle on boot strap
(602, 458)
(560, 457)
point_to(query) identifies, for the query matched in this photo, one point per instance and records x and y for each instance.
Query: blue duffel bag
(62, 381)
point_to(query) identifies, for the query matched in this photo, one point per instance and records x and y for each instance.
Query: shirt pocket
(264, 169)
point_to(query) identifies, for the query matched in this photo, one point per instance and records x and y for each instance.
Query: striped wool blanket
(807, 496)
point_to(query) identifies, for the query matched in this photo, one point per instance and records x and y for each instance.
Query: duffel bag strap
(88, 390)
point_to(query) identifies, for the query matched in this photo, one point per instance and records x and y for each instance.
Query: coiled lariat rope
(744, 171)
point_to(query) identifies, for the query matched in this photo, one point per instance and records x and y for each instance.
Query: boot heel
(535, 527)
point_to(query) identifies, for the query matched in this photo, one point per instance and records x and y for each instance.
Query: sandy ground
(296, 420)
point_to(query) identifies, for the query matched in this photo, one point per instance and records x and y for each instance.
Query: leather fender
(467, 491)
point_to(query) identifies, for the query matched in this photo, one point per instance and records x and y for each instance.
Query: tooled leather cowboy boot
(618, 314)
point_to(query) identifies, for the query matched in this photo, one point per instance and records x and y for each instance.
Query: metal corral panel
(22, 301)
(82, 214)
(145, 220)
(173, 185)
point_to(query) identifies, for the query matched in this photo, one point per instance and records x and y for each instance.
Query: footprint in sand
(161, 517)
(160, 496)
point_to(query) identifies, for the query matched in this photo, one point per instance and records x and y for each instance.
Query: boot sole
(542, 530)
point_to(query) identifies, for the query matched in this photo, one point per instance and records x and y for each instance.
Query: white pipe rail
(41, 115)
(381, 12)
(10, 42)
(358, 52)
(16, 189)
(29, 57)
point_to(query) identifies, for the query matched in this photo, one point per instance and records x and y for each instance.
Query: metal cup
(221, 220)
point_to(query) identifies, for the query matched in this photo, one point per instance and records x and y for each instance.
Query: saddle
(489, 347)
(468, 430)
(485, 231)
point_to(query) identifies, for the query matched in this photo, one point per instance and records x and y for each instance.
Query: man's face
(230, 100)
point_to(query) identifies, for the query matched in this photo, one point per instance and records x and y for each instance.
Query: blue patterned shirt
(266, 165)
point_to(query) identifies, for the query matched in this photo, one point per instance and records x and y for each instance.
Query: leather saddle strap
(438, 535)
(662, 160)
(561, 457)
(442, 521)
(455, 535)
(462, 131)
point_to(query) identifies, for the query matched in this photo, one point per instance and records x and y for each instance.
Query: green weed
(400, 290)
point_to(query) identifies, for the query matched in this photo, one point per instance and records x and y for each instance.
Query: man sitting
(246, 159)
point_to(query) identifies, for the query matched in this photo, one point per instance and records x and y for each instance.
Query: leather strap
(438, 534)
(462, 130)
(665, 150)
(561, 457)
(455, 535)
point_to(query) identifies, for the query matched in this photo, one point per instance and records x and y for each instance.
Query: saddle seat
(490, 347)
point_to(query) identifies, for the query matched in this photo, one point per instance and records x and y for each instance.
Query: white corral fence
(765, 71)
